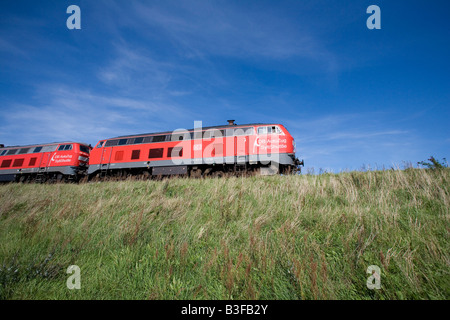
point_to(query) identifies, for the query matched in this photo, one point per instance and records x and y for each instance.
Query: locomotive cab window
(100, 144)
(269, 130)
(84, 149)
(276, 130)
(65, 147)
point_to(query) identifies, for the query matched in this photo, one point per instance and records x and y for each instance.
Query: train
(215, 151)
(63, 161)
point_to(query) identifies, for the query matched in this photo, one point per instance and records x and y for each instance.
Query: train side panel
(252, 145)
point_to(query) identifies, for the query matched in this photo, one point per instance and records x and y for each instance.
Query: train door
(47, 153)
(241, 148)
(106, 157)
(38, 161)
(45, 160)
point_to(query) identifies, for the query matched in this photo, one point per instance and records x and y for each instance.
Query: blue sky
(350, 96)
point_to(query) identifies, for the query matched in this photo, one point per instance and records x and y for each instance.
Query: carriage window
(135, 154)
(156, 153)
(24, 150)
(159, 138)
(197, 134)
(18, 162)
(180, 136)
(138, 140)
(37, 149)
(12, 151)
(148, 139)
(262, 130)
(122, 142)
(49, 148)
(243, 131)
(207, 135)
(111, 143)
(32, 162)
(3, 152)
(215, 133)
(175, 152)
(6, 163)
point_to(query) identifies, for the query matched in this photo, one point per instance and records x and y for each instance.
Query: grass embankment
(279, 237)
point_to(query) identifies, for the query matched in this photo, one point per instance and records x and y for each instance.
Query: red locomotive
(44, 162)
(263, 148)
(250, 148)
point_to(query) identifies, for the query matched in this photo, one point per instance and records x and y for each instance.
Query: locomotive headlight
(81, 158)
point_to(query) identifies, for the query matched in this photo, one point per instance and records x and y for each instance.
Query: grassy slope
(290, 237)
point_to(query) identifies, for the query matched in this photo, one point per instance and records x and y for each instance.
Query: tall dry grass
(279, 237)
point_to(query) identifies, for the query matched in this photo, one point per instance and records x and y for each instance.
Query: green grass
(278, 237)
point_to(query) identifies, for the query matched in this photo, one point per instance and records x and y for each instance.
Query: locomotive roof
(188, 130)
(44, 144)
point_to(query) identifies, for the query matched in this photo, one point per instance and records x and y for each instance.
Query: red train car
(43, 162)
(263, 148)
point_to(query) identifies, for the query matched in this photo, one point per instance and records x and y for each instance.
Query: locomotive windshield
(269, 130)
(84, 149)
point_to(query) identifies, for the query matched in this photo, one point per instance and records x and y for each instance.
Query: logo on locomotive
(58, 158)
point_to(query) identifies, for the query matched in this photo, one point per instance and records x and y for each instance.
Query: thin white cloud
(8, 47)
(135, 67)
(65, 113)
(200, 29)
